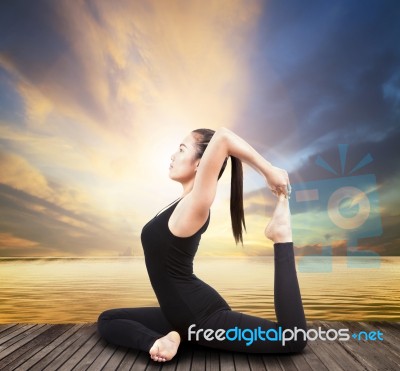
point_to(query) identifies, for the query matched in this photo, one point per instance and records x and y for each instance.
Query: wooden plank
(106, 353)
(93, 348)
(390, 335)
(241, 361)
(20, 343)
(151, 365)
(199, 359)
(93, 356)
(29, 351)
(39, 347)
(212, 359)
(83, 357)
(72, 354)
(271, 362)
(326, 358)
(115, 360)
(142, 361)
(336, 350)
(286, 362)
(12, 333)
(313, 361)
(129, 360)
(393, 324)
(226, 361)
(40, 361)
(362, 352)
(379, 351)
(50, 347)
(256, 362)
(185, 358)
(171, 365)
(300, 363)
(5, 327)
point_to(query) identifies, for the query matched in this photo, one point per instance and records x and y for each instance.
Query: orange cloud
(20, 174)
(7, 240)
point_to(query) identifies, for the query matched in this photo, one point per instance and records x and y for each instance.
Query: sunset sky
(96, 95)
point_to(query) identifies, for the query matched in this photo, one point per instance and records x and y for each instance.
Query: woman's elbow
(223, 135)
(223, 131)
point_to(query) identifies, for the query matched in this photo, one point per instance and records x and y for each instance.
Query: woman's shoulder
(188, 218)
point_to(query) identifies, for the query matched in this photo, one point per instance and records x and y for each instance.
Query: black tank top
(183, 298)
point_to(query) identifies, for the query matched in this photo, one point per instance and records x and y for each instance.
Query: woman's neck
(187, 188)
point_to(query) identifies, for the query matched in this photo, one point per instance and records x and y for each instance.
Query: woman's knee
(110, 314)
(103, 317)
(103, 320)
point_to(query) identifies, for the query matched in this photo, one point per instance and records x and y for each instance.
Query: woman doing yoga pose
(170, 241)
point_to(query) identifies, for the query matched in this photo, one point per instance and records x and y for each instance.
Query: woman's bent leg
(251, 334)
(136, 328)
(287, 298)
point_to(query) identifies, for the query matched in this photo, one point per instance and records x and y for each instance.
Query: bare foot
(165, 348)
(279, 228)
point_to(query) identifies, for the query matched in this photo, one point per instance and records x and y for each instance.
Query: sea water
(65, 290)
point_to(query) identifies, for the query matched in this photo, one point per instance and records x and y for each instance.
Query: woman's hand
(278, 181)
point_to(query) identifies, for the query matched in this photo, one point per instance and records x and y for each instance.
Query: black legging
(139, 328)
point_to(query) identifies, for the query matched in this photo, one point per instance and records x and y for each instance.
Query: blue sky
(95, 96)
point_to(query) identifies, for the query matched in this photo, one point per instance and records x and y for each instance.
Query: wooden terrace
(79, 347)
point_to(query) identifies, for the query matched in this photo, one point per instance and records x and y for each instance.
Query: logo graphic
(250, 335)
(345, 208)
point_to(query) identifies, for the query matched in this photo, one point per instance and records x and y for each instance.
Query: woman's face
(184, 162)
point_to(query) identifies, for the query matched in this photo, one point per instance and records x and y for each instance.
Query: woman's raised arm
(226, 143)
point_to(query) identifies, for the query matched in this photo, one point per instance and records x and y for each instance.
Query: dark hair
(203, 137)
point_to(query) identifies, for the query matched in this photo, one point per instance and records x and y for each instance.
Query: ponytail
(203, 137)
(237, 212)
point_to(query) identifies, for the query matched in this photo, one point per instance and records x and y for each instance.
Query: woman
(170, 241)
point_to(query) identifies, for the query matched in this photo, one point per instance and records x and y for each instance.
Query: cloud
(325, 69)
(59, 218)
(18, 173)
(60, 231)
(383, 150)
(123, 66)
(98, 94)
(9, 241)
(14, 246)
